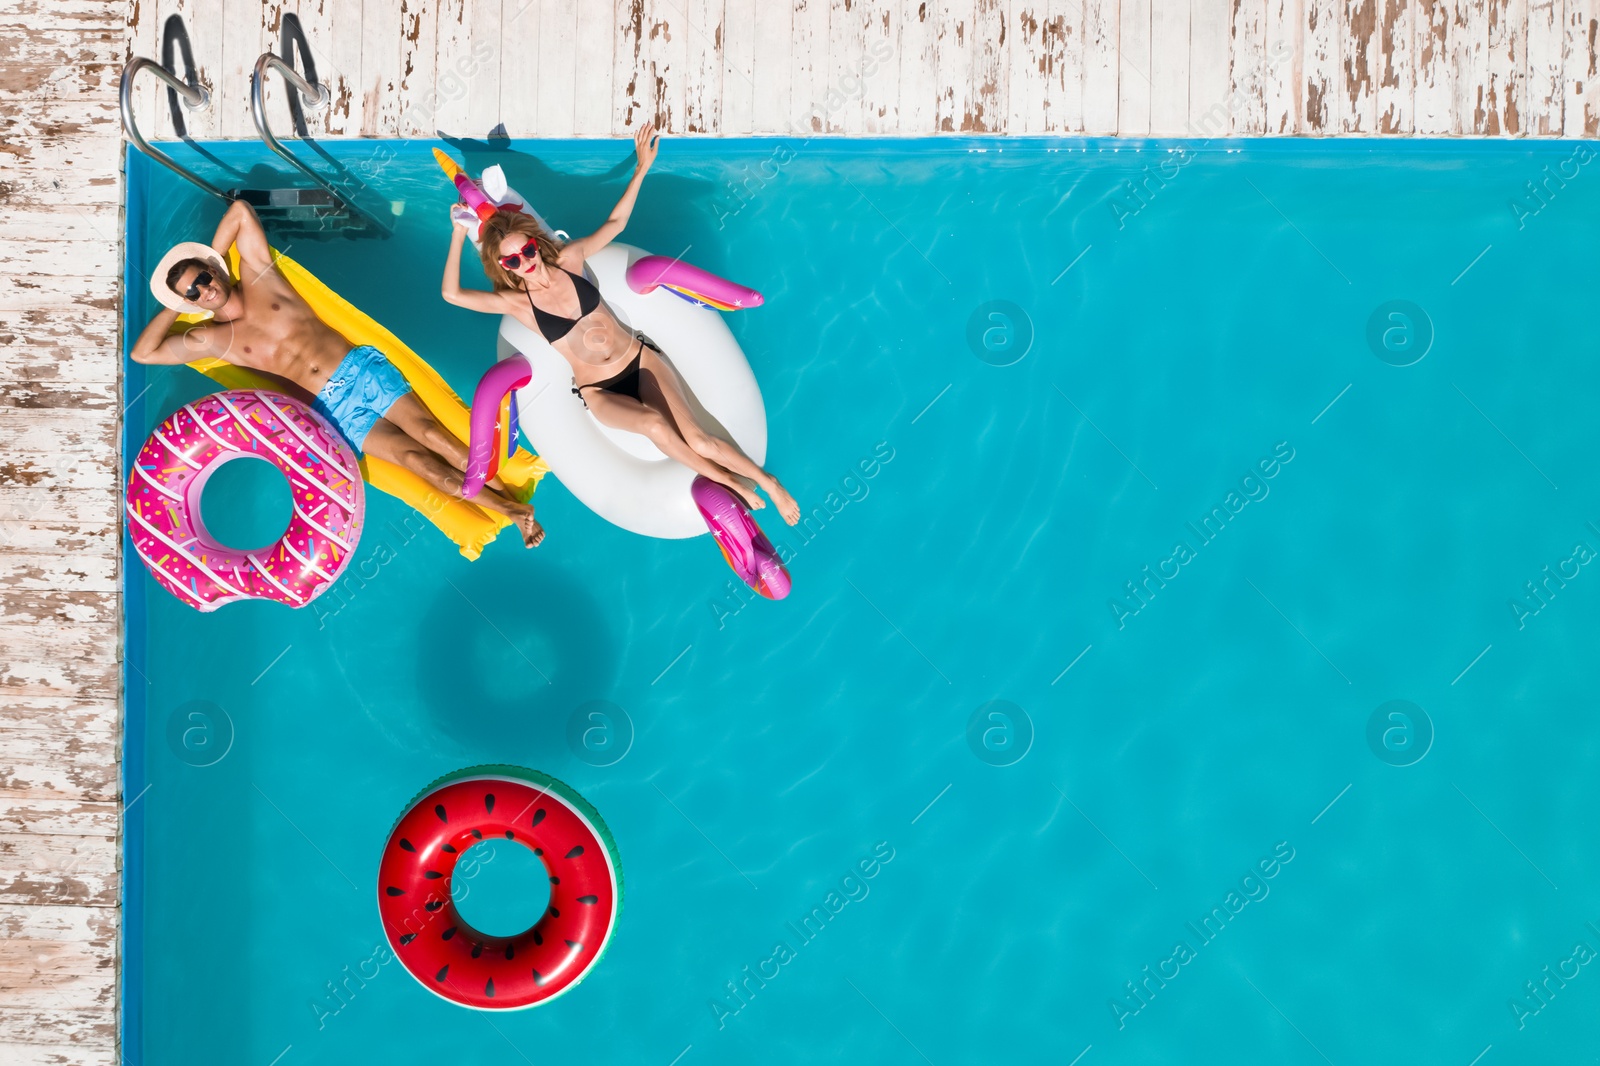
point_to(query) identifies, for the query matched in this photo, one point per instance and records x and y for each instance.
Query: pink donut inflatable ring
(163, 500)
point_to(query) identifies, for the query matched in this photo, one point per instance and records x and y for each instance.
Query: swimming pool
(1190, 654)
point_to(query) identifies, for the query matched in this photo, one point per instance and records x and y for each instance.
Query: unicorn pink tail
(744, 546)
(489, 438)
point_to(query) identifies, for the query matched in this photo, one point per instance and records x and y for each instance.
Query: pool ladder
(332, 207)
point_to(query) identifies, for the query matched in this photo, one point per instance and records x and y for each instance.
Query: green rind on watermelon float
(445, 954)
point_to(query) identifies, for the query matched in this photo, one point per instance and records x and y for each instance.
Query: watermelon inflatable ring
(444, 953)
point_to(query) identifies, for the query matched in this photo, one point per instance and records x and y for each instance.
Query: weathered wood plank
(1581, 70)
(1362, 66)
(1101, 67)
(85, 471)
(1507, 60)
(61, 714)
(1210, 82)
(60, 522)
(55, 64)
(1544, 95)
(1170, 58)
(1134, 72)
(57, 1036)
(56, 430)
(1061, 37)
(991, 71)
(417, 89)
(880, 70)
(58, 957)
(1247, 111)
(596, 49)
(808, 65)
(1469, 42)
(21, 359)
(919, 80)
(381, 67)
(554, 82)
(847, 42)
(521, 34)
(31, 570)
(702, 31)
(1283, 85)
(953, 62)
(1322, 106)
(67, 14)
(1435, 96)
(1394, 55)
(770, 102)
(35, 764)
(76, 870)
(58, 817)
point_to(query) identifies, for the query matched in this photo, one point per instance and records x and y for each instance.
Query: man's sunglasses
(201, 280)
(514, 260)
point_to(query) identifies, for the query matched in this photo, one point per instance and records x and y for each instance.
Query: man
(263, 324)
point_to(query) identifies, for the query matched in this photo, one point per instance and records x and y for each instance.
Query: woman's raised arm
(450, 288)
(646, 143)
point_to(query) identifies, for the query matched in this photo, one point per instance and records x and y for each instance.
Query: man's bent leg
(413, 418)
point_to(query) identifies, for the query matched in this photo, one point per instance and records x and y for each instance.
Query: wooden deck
(557, 68)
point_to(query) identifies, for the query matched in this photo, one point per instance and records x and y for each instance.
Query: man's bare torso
(275, 331)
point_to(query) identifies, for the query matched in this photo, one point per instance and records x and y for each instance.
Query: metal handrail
(194, 97)
(313, 96)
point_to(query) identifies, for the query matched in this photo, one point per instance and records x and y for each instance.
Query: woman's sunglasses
(514, 260)
(201, 280)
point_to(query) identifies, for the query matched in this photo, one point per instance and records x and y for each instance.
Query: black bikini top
(554, 327)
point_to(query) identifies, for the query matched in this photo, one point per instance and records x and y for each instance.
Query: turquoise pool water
(1173, 639)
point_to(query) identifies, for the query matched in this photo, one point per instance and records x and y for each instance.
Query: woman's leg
(661, 388)
(388, 442)
(624, 412)
(413, 418)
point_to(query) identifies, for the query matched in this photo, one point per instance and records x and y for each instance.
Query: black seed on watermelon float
(538, 938)
(554, 913)
(554, 880)
(488, 807)
(539, 852)
(510, 951)
(404, 843)
(448, 933)
(434, 905)
(478, 834)
(477, 949)
(392, 891)
(442, 971)
(575, 852)
(488, 988)
(438, 808)
(407, 938)
(432, 875)
(574, 945)
(538, 978)
(538, 816)
(591, 900)
(448, 849)
(510, 835)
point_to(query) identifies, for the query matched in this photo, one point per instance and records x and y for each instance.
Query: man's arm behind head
(241, 226)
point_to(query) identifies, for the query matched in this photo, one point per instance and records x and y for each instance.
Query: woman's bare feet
(532, 532)
(752, 499)
(787, 506)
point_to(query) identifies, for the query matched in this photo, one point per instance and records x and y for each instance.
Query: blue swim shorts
(362, 389)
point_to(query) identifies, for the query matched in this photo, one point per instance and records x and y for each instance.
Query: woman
(619, 375)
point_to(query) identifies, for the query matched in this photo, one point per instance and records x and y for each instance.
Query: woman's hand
(464, 218)
(646, 142)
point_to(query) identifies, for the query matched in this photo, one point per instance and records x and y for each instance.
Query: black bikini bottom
(627, 382)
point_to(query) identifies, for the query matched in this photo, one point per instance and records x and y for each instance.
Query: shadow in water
(499, 674)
